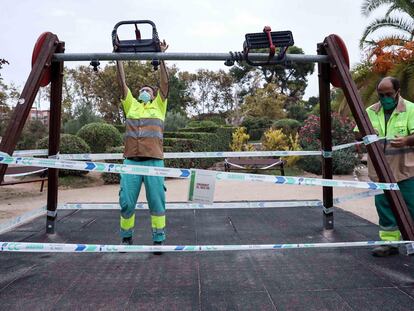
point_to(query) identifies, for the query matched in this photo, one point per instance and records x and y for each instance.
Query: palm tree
(399, 16)
(366, 81)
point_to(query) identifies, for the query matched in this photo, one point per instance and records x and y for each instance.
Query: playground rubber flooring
(290, 279)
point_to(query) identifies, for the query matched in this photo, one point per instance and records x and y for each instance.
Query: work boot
(158, 243)
(127, 241)
(385, 251)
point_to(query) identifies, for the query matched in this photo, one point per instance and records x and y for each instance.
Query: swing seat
(138, 45)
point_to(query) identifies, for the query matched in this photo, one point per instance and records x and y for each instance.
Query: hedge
(187, 140)
(207, 129)
(110, 178)
(288, 126)
(68, 144)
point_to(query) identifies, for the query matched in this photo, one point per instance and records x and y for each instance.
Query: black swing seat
(276, 41)
(138, 45)
(260, 40)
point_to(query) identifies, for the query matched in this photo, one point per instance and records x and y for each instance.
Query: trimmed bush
(68, 144)
(288, 126)
(204, 123)
(121, 128)
(110, 178)
(256, 126)
(100, 136)
(186, 145)
(224, 134)
(218, 118)
(207, 137)
(207, 129)
(174, 121)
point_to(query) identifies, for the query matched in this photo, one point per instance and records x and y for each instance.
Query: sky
(188, 26)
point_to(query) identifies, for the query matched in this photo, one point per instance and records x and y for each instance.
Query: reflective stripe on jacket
(144, 127)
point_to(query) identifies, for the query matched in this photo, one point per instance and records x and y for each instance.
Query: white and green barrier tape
(97, 248)
(220, 205)
(185, 173)
(18, 220)
(190, 155)
(190, 205)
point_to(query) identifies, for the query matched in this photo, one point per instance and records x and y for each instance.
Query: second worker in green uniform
(393, 119)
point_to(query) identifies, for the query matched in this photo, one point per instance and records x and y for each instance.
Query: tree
(100, 90)
(5, 93)
(179, 96)
(399, 16)
(366, 80)
(382, 61)
(291, 78)
(265, 102)
(212, 91)
(3, 89)
(33, 132)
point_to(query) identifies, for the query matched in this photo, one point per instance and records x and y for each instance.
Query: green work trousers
(387, 222)
(155, 192)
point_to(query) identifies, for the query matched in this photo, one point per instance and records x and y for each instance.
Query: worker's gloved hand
(164, 46)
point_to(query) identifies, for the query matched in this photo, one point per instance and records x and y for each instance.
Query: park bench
(254, 164)
(16, 171)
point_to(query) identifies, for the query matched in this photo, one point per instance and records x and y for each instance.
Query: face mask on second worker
(389, 102)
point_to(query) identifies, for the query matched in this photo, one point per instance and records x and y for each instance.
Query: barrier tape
(192, 155)
(356, 196)
(221, 205)
(25, 217)
(185, 173)
(26, 174)
(96, 248)
(188, 205)
(28, 153)
(369, 139)
(184, 155)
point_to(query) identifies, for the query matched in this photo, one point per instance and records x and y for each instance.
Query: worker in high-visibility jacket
(143, 146)
(393, 118)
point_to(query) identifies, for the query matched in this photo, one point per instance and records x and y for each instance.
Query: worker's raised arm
(164, 84)
(121, 78)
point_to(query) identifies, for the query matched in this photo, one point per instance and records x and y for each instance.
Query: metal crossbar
(299, 58)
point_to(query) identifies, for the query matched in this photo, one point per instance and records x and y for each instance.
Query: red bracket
(267, 30)
(137, 33)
